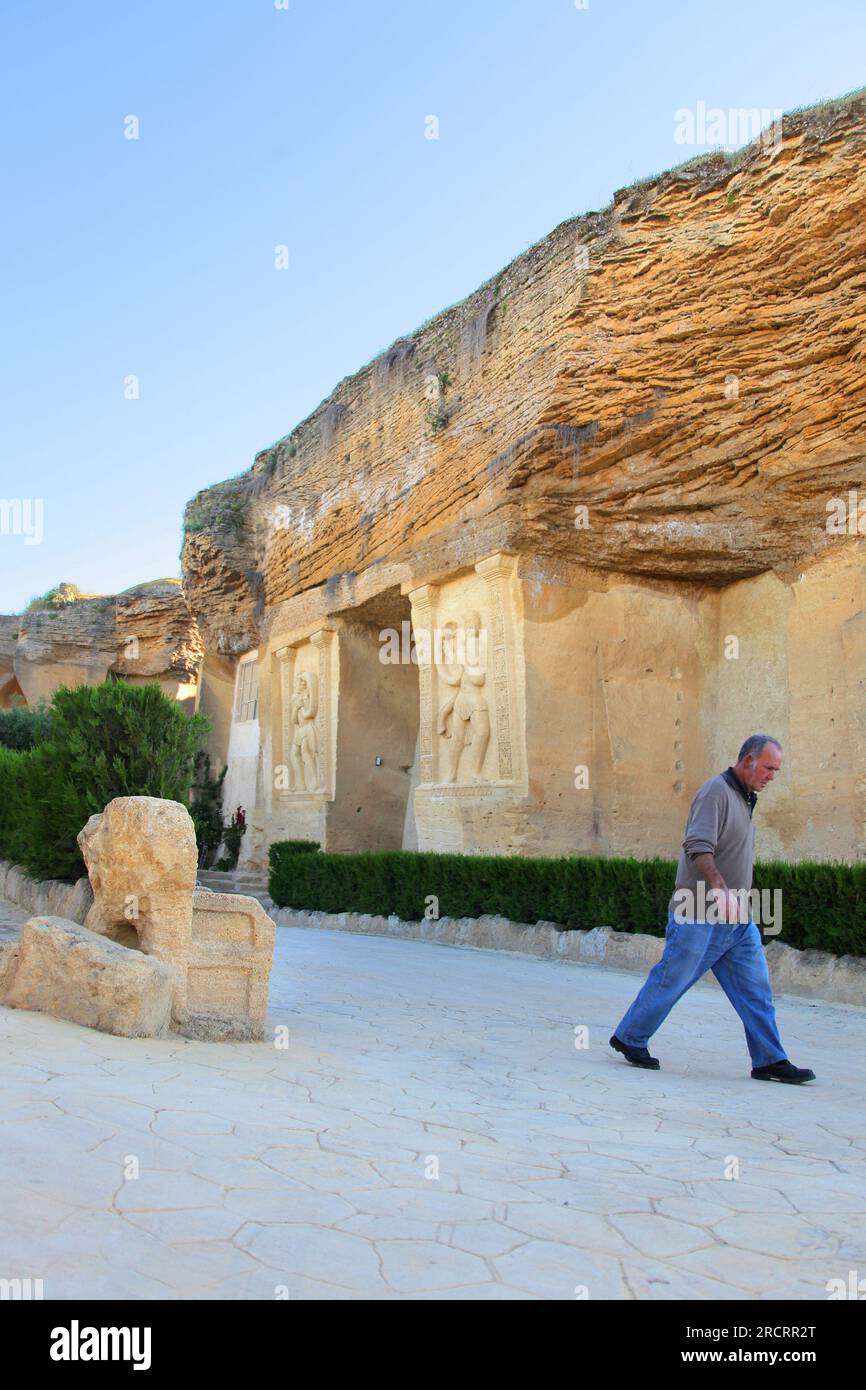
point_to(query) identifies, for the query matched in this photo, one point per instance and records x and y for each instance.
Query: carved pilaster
(423, 601)
(286, 670)
(322, 641)
(498, 571)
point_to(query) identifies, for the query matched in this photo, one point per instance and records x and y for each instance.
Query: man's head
(758, 761)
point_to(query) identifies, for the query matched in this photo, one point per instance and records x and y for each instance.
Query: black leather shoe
(783, 1071)
(638, 1056)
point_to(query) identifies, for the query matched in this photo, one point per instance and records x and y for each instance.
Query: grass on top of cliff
(59, 597)
(734, 158)
(220, 508)
(829, 104)
(698, 162)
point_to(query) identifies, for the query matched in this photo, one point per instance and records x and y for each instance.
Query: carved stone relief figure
(464, 718)
(303, 749)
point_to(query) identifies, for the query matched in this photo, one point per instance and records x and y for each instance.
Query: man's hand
(726, 903)
(726, 900)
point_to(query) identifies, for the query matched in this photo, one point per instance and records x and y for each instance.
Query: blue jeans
(736, 957)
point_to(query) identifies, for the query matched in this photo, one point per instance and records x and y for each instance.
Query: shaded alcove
(11, 694)
(377, 730)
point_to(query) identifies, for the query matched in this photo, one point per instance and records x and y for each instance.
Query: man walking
(710, 926)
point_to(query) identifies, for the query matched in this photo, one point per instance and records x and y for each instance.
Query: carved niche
(463, 717)
(464, 644)
(306, 683)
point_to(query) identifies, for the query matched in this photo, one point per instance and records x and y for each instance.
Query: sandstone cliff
(687, 365)
(144, 633)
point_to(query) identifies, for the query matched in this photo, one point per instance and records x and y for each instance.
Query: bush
(13, 765)
(206, 808)
(281, 848)
(824, 905)
(105, 741)
(24, 726)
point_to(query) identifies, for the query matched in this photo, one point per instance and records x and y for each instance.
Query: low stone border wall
(807, 974)
(50, 898)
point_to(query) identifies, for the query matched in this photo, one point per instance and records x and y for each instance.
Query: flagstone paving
(432, 1131)
(11, 918)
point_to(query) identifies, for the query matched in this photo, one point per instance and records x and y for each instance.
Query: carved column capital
(423, 599)
(500, 565)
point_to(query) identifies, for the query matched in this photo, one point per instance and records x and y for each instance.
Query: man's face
(757, 773)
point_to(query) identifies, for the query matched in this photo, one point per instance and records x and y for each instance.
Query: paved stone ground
(11, 918)
(311, 1170)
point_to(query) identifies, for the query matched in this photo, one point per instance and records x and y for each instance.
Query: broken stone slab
(65, 970)
(230, 967)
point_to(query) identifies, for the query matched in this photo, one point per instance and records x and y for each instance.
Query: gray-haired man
(716, 864)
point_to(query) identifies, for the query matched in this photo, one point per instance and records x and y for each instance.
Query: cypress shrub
(13, 768)
(107, 740)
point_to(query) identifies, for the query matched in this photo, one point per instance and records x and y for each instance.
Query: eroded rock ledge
(687, 364)
(144, 633)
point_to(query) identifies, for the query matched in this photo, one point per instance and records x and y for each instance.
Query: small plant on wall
(438, 414)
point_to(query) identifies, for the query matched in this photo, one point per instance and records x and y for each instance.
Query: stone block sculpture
(154, 953)
(141, 860)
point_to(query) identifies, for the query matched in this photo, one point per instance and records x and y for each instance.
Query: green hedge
(105, 741)
(823, 905)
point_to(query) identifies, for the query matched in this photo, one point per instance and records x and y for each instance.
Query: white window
(247, 700)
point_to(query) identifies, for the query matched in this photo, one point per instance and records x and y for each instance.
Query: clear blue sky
(261, 126)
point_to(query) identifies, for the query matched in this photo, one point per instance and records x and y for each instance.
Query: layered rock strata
(145, 633)
(635, 459)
